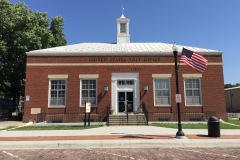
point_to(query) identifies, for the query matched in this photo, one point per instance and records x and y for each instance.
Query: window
(122, 27)
(125, 82)
(161, 92)
(57, 92)
(89, 92)
(193, 92)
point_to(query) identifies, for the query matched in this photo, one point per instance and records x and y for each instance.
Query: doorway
(125, 102)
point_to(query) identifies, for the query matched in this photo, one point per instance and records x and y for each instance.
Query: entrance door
(125, 102)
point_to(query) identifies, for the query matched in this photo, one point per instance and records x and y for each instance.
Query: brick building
(120, 75)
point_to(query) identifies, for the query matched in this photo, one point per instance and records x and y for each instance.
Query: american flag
(194, 60)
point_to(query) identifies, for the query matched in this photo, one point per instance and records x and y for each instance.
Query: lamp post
(179, 133)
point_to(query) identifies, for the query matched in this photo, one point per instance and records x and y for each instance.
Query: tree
(22, 30)
(231, 85)
(56, 29)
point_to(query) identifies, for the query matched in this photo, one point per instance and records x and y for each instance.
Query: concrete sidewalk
(114, 130)
(116, 137)
(5, 124)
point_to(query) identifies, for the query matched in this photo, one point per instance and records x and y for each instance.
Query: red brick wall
(37, 83)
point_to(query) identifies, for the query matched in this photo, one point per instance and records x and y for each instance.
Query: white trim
(49, 93)
(161, 75)
(191, 75)
(122, 88)
(56, 106)
(194, 105)
(89, 76)
(200, 89)
(80, 102)
(58, 76)
(170, 98)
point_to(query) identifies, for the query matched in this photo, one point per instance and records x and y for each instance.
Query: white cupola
(123, 29)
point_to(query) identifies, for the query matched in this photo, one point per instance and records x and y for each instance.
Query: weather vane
(122, 10)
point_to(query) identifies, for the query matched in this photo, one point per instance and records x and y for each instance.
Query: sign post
(88, 110)
(178, 98)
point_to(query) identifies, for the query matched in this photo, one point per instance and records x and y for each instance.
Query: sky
(210, 24)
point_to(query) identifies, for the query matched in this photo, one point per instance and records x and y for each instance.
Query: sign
(178, 98)
(88, 107)
(27, 98)
(124, 59)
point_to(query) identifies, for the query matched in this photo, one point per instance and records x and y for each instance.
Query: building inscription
(123, 59)
(121, 69)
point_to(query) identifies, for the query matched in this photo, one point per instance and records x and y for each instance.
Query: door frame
(115, 88)
(125, 102)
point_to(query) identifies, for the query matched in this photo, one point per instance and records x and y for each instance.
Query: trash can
(213, 127)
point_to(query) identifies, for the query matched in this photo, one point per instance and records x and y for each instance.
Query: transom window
(122, 27)
(89, 92)
(162, 92)
(125, 82)
(57, 92)
(193, 92)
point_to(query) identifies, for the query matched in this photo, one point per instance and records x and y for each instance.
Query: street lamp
(179, 133)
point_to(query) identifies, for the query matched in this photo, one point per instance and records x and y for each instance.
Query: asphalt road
(123, 154)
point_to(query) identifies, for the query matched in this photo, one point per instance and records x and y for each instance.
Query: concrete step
(123, 120)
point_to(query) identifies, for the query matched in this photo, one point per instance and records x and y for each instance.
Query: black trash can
(213, 127)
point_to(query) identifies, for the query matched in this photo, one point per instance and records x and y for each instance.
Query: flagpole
(179, 133)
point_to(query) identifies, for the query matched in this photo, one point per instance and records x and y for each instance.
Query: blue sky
(211, 24)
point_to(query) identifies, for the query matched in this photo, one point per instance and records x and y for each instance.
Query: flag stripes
(194, 60)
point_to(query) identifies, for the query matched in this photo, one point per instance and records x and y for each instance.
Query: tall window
(162, 92)
(122, 27)
(193, 92)
(89, 92)
(57, 92)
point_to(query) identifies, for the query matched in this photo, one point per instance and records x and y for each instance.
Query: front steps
(121, 120)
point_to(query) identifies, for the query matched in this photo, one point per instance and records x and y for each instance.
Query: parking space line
(10, 154)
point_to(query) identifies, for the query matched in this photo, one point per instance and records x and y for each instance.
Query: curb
(66, 144)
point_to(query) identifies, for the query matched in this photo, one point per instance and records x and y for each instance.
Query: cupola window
(122, 27)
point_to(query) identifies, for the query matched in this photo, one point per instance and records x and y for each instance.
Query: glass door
(125, 102)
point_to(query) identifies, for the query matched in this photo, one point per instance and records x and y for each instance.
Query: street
(123, 154)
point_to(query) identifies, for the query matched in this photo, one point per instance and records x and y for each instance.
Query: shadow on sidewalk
(147, 136)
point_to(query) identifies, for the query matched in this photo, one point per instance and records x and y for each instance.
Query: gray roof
(232, 88)
(113, 49)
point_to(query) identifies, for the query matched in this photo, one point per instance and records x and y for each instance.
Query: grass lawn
(185, 126)
(199, 126)
(233, 121)
(31, 128)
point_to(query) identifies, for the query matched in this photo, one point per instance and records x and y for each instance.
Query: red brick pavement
(112, 137)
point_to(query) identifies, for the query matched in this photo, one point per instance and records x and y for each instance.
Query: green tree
(22, 30)
(231, 85)
(56, 29)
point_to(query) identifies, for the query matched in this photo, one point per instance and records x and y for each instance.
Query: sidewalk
(5, 124)
(116, 137)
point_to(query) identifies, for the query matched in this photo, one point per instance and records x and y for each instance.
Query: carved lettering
(113, 69)
(123, 59)
(136, 69)
(134, 59)
(97, 59)
(151, 59)
(118, 60)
